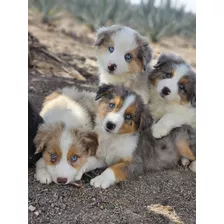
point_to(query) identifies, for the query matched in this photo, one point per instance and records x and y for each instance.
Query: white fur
(105, 180)
(124, 42)
(73, 115)
(64, 109)
(192, 166)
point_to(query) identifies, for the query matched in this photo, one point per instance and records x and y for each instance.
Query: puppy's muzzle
(112, 67)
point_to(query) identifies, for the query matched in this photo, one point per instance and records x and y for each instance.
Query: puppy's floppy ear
(103, 90)
(101, 34)
(146, 119)
(144, 50)
(44, 133)
(90, 139)
(193, 97)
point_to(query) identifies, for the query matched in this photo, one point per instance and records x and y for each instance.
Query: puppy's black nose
(110, 126)
(112, 67)
(62, 180)
(166, 91)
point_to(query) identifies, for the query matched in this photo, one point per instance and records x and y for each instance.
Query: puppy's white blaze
(125, 40)
(63, 169)
(128, 102)
(65, 141)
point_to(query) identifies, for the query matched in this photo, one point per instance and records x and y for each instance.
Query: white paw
(159, 130)
(192, 166)
(79, 174)
(105, 180)
(43, 176)
(185, 162)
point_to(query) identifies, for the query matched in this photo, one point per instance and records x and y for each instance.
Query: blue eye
(111, 105)
(128, 57)
(128, 117)
(74, 158)
(181, 86)
(168, 75)
(53, 157)
(111, 49)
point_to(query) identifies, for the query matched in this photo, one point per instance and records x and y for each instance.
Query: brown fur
(119, 169)
(184, 150)
(183, 96)
(136, 64)
(130, 127)
(50, 97)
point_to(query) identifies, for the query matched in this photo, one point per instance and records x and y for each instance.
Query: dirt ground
(159, 197)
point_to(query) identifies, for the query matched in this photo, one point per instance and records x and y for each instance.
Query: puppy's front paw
(105, 180)
(159, 130)
(43, 176)
(192, 166)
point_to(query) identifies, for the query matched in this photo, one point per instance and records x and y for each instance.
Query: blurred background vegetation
(150, 19)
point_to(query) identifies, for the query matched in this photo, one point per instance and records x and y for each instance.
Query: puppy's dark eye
(128, 117)
(181, 86)
(111, 105)
(53, 157)
(111, 49)
(128, 57)
(168, 75)
(74, 158)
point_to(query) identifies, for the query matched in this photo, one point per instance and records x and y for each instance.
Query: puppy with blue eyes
(65, 139)
(172, 96)
(126, 146)
(122, 55)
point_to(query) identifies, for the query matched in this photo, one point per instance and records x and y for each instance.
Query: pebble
(36, 213)
(32, 208)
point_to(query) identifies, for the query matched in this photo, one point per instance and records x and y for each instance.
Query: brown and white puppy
(172, 94)
(122, 56)
(120, 119)
(65, 139)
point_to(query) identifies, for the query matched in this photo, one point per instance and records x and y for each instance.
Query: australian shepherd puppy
(121, 117)
(172, 95)
(122, 56)
(65, 139)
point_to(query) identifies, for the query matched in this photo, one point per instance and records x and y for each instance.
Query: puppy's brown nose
(62, 180)
(112, 67)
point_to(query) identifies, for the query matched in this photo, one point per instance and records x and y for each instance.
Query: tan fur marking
(119, 170)
(50, 97)
(183, 96)
(135, 65)
(184, 150)
(129, 128)
(82, 156)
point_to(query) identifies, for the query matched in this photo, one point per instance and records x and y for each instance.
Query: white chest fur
(159, 107)
(114, 147)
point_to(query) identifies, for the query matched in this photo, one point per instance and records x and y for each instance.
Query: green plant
(164, 20)
(49, 8)
(98, 13)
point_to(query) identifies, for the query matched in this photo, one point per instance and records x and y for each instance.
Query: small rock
(32, 208)
(36, 213)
